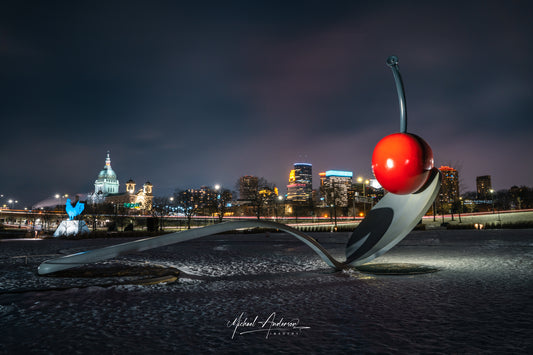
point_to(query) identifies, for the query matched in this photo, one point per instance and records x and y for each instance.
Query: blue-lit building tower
(334, 187)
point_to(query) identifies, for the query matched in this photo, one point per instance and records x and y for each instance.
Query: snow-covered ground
(235, 290)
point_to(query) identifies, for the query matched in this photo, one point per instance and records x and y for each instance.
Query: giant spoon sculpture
(402, 163)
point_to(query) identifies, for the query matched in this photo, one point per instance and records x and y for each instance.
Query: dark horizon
(185, 95)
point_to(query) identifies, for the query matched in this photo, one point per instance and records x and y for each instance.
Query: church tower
(130, 186)
(147, 188)
(107, 182)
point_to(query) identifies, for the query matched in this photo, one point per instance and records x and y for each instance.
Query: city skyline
(187, 95)
(115, 188)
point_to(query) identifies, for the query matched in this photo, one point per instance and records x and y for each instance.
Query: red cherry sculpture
(401, 163)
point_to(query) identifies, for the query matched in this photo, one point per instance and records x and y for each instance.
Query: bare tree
(189, 203)
(263, 197)
(521, 196)
(220, 203)
(332, 198)
(159, 209)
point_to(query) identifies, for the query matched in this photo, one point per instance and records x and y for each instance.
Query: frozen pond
(258, 293)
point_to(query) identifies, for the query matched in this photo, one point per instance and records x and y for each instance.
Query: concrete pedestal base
(71, 228)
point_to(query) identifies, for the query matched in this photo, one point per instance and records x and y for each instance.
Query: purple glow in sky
(185, 94)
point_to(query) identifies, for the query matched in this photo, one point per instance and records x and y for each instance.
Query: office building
(335, 185)
(300, 187)
(484, 187)
(248, 187)
(449, 190)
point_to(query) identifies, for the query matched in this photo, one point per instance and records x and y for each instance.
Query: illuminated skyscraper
(449, 190)
(322, 178)
(335, 185)
(483, 185)
(300, 187)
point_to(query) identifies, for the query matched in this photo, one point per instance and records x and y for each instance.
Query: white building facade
(107, 182)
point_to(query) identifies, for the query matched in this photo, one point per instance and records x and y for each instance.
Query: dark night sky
(186, 94)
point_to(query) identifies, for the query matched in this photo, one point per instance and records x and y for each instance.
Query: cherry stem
(392, 62)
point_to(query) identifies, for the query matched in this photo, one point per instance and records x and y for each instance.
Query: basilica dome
(107, 173)
(107, 182)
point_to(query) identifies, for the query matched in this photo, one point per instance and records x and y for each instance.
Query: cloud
(185, 95)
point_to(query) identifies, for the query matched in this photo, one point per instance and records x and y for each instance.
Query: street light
(492, 198)
(219, 207)
(460, 209)
(364, 183)
(58, 196)
(280, 199)
(334, 205)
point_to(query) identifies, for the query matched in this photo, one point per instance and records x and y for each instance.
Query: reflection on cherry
(401, 163)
